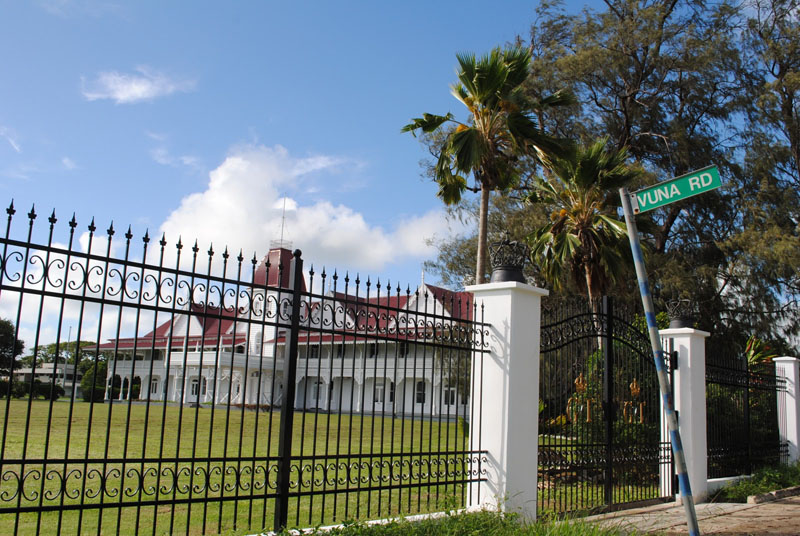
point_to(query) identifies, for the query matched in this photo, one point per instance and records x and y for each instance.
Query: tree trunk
(483, 218)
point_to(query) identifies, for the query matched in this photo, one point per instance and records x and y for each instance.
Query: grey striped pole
(658, 355)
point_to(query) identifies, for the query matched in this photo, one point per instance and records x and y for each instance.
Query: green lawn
(208, 454)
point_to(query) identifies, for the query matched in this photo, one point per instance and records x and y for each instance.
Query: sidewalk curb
(773, 495)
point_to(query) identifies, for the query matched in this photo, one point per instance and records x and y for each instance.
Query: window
(372, 350)
(391, 391)
(198, 386)
(240, 349)
(340, 350)
(378, 393)
(154, 386)
(420, 392)
(157, 356)
(449, 396)
(313, 352)
(403, 350)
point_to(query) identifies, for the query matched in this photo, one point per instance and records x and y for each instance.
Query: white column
(508, 396)
(690, 403)
(788, 368)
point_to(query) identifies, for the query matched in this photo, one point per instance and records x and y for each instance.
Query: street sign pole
(658, 356)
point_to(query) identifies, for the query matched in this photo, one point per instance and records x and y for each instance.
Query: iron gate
(600, 425)
(745, 403)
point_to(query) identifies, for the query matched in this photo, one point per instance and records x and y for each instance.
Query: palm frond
(561, 97)
(527, 135)
(426, 123)
(451, 188)
(467, 149)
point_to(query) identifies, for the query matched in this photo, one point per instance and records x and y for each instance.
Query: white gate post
(690, 402)
(788, 368)
(505, 397)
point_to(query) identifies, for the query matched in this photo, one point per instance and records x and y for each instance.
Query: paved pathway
(776, 517)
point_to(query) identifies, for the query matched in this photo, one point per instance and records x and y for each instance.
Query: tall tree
(684, 84)
(497, 131)
(584, 237)
(10, 346)
(63, 352)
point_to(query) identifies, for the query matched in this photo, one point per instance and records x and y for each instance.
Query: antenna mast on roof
(282, 244)
(283, 217)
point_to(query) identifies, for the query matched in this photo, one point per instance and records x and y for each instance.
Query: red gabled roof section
(274, 270)
(376, 310)
(217, 325)
(458, 305)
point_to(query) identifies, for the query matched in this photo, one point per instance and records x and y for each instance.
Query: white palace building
(216, 357)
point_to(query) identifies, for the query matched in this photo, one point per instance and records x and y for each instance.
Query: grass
(474, 524)
(223, 444)
(763, 480)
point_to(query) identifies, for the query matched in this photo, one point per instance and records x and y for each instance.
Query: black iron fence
(744, 404)
(600, 429)
(166, 389)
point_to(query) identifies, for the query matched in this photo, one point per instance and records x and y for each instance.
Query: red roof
(277, 265)
(373, 313)
(217, 326)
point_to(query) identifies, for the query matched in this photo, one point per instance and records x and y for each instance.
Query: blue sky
(198, 118)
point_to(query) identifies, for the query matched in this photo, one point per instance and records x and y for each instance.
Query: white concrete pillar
(690, 403)
(508, 397)
(788, 368)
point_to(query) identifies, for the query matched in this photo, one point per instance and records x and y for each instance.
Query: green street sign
(696, 182)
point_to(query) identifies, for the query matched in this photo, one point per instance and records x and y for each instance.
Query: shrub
(764, 480)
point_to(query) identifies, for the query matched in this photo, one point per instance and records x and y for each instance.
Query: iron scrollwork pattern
(199, 360)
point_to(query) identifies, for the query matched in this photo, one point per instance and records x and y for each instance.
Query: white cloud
(161, 155)
(126, 88)
(68, 163)
(9, 136)
(242, 207)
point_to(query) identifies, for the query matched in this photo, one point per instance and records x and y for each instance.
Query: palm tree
(584, 236)
(498, 130)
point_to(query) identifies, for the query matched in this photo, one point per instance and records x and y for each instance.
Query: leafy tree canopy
(10, 346)
(682, 84)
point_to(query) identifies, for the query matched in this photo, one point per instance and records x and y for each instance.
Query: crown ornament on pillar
(681, 313)
(508, 259)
